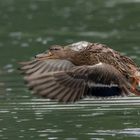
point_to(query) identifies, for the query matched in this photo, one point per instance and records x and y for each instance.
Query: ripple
(46, 106)
(22, 120)
(111, 3)
(91, 115)
(97, 139)
(44, 41)
(127, 131)
(71, 139)
(52, 138)
(24, 44)
(9, 68)
(4, 111)
(16, 35)
(50, 130)
(99, 34)
(43, 135)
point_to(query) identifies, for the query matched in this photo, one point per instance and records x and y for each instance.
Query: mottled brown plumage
(81, 69)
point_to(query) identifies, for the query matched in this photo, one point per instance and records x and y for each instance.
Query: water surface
(28, 27)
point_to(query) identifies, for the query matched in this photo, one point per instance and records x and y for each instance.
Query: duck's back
(87, 53)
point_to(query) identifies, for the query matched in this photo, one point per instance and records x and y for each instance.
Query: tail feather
(136, 84)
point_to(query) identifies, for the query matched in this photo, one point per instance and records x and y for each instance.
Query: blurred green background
(29, 27)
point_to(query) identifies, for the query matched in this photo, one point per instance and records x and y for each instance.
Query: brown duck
(70, 73)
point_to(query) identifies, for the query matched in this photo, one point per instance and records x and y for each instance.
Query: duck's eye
(55, 48)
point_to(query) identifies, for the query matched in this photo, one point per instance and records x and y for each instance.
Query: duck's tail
(136, 83)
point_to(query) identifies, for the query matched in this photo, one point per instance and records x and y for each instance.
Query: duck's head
(64, 52)
(54, 52)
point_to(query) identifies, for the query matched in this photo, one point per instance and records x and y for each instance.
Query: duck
(83, 69)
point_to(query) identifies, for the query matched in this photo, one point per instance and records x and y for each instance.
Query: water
(28, 27)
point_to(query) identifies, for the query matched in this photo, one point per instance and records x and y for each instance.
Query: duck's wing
(37, 67)
(105, 80)
(65, 86)
(68, 86)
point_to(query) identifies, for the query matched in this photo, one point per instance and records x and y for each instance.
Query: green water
(28, 27)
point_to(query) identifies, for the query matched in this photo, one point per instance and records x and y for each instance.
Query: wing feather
(80, 81)
(37, 67)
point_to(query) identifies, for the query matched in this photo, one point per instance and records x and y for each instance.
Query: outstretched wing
(57, 85)
(38, 67)
(79, 81)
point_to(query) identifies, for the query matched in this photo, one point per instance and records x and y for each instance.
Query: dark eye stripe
(54, 48)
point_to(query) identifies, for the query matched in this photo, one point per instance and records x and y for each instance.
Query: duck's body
(81, 69)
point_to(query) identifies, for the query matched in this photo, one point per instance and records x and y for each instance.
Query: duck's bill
(44, 56)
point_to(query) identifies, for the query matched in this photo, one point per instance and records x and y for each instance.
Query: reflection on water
(128, 131)
(29, 27)
(90, 118)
